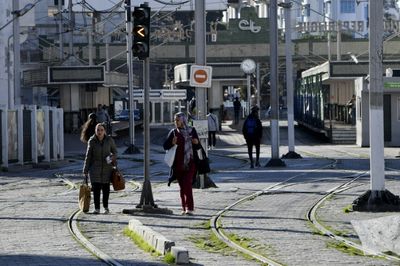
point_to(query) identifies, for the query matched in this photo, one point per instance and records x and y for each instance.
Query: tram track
(218, 230)
(312, 217)
(73, 228)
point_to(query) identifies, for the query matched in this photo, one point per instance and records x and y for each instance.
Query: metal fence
(31, 135)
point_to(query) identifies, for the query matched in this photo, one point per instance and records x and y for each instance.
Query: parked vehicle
(123, 115)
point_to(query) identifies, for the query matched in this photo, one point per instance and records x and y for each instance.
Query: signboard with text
(201, 127)
(76, 74)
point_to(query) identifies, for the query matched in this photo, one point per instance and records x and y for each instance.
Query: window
(347, 6)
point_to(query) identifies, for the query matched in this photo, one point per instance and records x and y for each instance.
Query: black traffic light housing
(141, 32)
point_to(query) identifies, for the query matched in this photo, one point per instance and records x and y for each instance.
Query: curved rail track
(80, 238)
(217, 229)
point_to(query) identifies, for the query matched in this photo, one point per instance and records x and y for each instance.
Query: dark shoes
(258, 164)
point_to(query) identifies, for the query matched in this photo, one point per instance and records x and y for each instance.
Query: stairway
(344, 135)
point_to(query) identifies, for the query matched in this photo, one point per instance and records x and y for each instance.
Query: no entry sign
(200, 76)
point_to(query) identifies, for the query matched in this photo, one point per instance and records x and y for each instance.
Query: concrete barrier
(181, 255)
(154, 239)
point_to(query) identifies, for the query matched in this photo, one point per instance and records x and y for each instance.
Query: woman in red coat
(183, 168)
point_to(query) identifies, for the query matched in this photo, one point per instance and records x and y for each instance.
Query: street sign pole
(201, 93)
(200, 43)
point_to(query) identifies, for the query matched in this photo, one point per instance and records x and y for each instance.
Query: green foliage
(139, 241)
(344, 248)
(169, 258)
(348, 208)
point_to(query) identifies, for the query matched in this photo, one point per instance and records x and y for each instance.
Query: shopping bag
(117, 179)
(84, 197)
(170, 155)
(202, 162)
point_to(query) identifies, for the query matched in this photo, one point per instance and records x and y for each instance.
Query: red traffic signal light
(141, 32)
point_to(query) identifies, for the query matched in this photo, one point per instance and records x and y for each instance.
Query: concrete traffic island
(379, 234)
(159, 242)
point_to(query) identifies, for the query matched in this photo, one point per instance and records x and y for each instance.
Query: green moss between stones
(139, 241)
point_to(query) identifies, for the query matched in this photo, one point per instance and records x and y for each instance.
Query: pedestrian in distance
(351, 105)
(236, 108)
(100, 154)
(88, 129)
(104, 117)
(252, 132)
(184, 167)
(213, 126)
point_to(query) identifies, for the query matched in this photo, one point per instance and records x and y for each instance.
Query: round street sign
(200, 76)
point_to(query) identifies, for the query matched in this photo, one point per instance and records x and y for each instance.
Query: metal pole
(60, 31)
(90, 37)
(128, 19)
(248, 105)
(339, 41)
(258, 85)
(9, 76)
(377, 198)
(71, 29)
(146, 199)
(200, 43)
(329, 6)
(377, 161)
(273, 33)
(200, 34)
(17, 56)
(289, 82)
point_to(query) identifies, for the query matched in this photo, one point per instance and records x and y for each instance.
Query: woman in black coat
(96, 166)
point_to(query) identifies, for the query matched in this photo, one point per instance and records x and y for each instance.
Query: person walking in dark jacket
(184, 167)
(101, 151)
(236, 108)
(88, 129)
(252, 132)
(213, 126)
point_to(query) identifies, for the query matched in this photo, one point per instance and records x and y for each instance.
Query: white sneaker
(189, 212)
(106, 211)
(96, 211)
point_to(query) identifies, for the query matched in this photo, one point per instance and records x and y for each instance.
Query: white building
(317, 17)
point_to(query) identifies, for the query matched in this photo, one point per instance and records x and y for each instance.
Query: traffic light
(141, 32)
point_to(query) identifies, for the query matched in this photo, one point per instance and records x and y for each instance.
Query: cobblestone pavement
(35, 205)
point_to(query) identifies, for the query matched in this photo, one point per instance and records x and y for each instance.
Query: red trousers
(185, 179)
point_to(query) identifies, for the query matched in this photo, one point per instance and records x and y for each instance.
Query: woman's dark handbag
(202, 164)
(117, 179)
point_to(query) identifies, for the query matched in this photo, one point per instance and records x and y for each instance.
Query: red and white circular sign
(200, 76)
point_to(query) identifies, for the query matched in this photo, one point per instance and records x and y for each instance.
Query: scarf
(186, 133)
